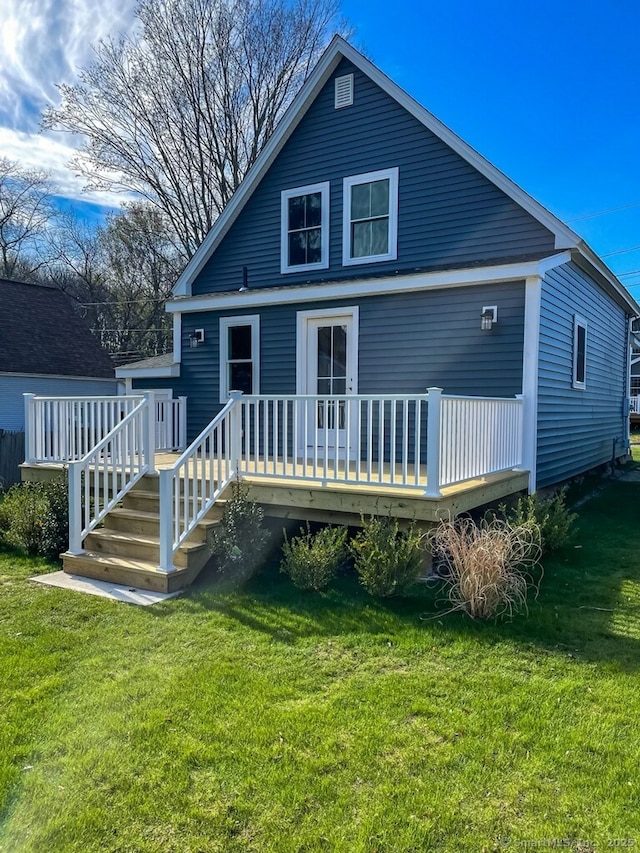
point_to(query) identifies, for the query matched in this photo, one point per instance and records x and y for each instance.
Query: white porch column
(434, 398)
(235, 429)
(530, 356)
(149, 431)
(182, 423)
(29, 429)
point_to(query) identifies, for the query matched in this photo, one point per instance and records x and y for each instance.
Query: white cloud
(44, 43)
(42, 151)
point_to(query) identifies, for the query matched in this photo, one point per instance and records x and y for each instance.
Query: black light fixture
(488, 317)
(245, 280)
(196, 338)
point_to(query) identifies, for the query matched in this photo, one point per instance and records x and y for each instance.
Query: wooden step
(138, 547)
(137, 521)
(140, 574)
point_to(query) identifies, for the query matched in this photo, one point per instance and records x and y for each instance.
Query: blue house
(379, 320)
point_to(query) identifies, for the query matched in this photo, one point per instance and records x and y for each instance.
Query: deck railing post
(75, 507)
(149, 431)
(434, 405)
(182, 423)
(521, 437)
(29, 429)
(167, 511)
(235, 433)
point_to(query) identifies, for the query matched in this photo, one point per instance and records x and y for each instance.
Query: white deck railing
(191, 486)
(99, 480)
(634, 405)
(61, 429)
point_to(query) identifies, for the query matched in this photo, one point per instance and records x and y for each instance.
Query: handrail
(197, 478)
(99, 480)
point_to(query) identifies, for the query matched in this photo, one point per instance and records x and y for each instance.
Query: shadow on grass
(588, 606)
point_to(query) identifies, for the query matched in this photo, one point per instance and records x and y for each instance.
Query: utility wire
(604, 212)
(621, 252)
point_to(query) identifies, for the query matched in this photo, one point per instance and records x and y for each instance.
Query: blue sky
(548, 91)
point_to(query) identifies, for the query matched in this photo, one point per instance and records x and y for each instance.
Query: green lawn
(272, 720)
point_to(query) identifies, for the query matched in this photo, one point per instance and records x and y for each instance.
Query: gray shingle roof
(40, 333)
(153, 361)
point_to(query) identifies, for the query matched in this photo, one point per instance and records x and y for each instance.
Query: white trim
(365, 287)
(530, 364)
(324, 189)
(578, 322)
(635, 360)
(302, 350)
(392, 233)
(177, 337)
(226, 323)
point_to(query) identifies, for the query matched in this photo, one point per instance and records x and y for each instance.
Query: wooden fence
(11, 456)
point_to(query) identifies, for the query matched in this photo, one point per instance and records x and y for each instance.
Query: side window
(579, 353)
(239, 355)
(304, 240)
(370, 217)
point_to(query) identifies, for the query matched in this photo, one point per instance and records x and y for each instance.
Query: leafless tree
(26, 214)
(179, 111)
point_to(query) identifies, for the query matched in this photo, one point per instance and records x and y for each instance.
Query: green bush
(388, 560)
(240, 543)
(34, 517)
(312, 560)
(550, 515)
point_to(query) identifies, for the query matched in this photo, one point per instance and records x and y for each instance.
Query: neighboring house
(366, 224)
(45, 349)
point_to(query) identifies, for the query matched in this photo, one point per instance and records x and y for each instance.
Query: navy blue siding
(577, 429)
(449, 214)
(407, 342)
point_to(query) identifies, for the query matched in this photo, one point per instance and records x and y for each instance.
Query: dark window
(304, 229)
(579, 353)
(240, 359)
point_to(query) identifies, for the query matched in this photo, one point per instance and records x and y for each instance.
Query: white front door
(330, 369)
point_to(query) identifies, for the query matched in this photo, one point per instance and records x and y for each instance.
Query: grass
(270, 719)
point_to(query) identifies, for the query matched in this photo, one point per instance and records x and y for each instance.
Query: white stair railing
(171, 424)
(192, 485)
(99, 480)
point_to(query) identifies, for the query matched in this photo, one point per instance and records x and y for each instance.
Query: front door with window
(330, 341)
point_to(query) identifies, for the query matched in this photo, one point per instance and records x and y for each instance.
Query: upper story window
(370, 223)
(305, 228)
(579, 353)
(239, 355)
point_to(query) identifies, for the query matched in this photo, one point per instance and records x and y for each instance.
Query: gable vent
(344, 91)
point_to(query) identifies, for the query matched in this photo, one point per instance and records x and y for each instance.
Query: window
(370, 224)
(579, 352)
(239, 355)
(305, 228)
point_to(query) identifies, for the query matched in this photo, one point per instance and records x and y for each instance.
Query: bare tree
(179, 111)
(26, 214)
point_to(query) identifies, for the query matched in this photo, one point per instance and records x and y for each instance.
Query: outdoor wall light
(488, 317)
(196, 338)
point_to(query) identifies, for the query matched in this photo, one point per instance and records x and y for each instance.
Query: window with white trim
(239, 355)
(579, 352)
(370, 218)
(304, 226)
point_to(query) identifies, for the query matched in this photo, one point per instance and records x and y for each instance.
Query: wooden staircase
(126, 549)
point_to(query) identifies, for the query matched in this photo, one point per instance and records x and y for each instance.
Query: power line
(621, 252)
(604, 212)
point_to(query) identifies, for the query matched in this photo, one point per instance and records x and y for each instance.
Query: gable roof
(41, 334)
(565, 237)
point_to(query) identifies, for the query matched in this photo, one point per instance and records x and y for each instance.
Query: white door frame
(303, 323)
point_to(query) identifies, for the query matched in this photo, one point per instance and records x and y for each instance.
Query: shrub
(55, 524)
(487, 565)
(311, 560)
(551, 516)
(388, 560)
(24, 510)
(239, 544)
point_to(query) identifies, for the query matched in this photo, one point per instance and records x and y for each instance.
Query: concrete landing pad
(115, 592)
